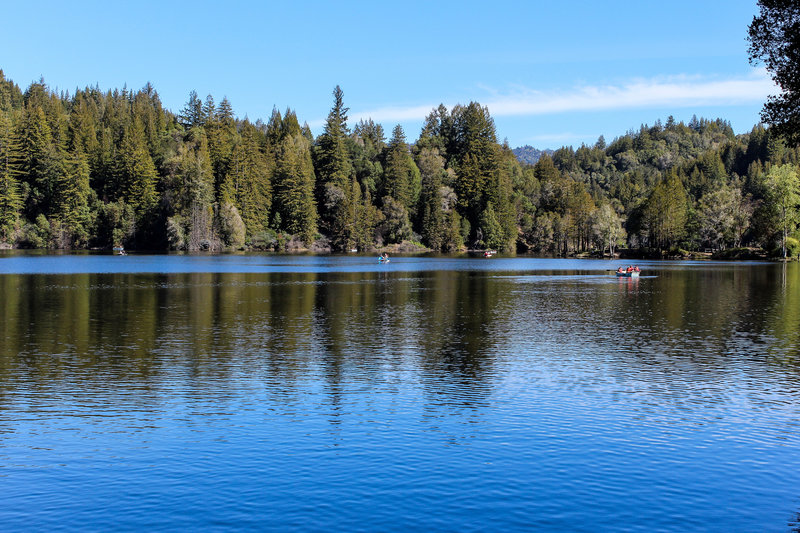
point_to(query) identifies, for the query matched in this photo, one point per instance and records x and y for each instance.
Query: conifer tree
(209, 110)
(433, 220)
(372, 135)
(493, 236)
(666, 211)
(247, 183)
(136, 173)
(337, 196)
(10, 199)
(192, 113)
(401, 177)
(222, 137)
(294, 187)
(73, 200)
(365, 220)
(36, 161)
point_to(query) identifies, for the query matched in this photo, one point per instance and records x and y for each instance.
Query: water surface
(272, 392)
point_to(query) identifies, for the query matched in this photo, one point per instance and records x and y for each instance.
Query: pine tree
(372, 135)
(136, 173)
(192, 113)
(493, 236)
(366, 218)
(294, 187)
(73, 201)
(335, 192)
(36, 162)
(222, 137)
(209, 110)
(401, 177)
(666, 211)
(247, 183)
(433, 219)
(10, 199)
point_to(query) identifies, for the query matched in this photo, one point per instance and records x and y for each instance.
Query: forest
(96, 170)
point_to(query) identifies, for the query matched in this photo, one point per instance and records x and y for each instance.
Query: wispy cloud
(667, 92)
(680, 91)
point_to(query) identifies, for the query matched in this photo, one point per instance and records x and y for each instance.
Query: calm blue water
(261, 392)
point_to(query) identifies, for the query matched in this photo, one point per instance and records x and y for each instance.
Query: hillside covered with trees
(99, 169)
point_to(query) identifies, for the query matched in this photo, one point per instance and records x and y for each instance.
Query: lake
(273, 393)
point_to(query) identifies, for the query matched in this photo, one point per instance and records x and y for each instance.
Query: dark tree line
(99, 169)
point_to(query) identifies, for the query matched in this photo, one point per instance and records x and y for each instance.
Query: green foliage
(775, 40)
(608, 228)
(38, 234)
(102, 169)
(433, 207)
(10, 197)
(72, 207)
(395, 227)
(247, 184)
(294, 187)
(338, 192)
(136, 173)
(230, 225)
(491, 230)
(666, 211)
(783, 192)
(401, 179)
(792, 247)
(114, 224)
(264, 240)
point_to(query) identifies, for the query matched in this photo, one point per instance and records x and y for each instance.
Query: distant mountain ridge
(529, 155)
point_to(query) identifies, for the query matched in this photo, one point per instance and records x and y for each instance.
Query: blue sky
(552, 73)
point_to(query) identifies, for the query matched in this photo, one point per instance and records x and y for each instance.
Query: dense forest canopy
(99, 169)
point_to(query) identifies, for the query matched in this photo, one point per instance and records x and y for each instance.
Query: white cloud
(670, 92)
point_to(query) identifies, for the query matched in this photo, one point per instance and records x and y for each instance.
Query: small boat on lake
(631, 274)
(481, 253)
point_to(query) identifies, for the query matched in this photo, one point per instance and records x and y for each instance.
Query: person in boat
(630, 269)
(620, 270)
(636, 269)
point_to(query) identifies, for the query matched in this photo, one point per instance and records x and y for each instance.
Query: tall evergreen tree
(192, 113)
(247, 184)
(433, 219)
(73, 201)
(136, 173)
(10, 199)
(401, 177)
(222, 137)
(294, 187)
(36, 161)
(666, 211)
(336, 192)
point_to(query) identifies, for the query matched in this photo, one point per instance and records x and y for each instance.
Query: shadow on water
(142, 332)
(446, 330)
(131, 325)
